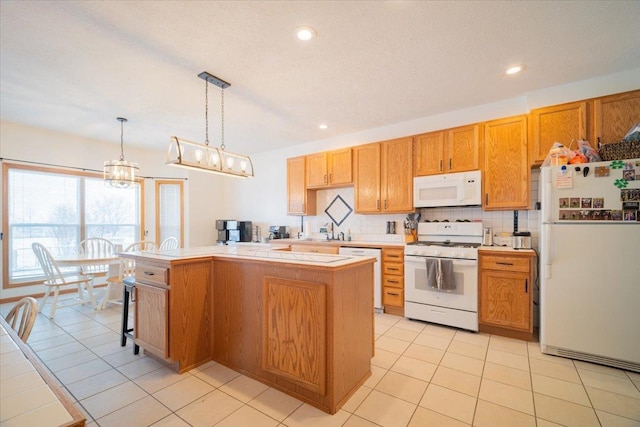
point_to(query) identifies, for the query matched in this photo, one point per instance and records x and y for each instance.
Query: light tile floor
(422, 375)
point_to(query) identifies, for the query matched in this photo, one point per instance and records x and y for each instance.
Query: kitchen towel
(432, 272)
(447, 282)
(440, 274)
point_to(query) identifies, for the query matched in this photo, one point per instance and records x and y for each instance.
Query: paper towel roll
(307, 229)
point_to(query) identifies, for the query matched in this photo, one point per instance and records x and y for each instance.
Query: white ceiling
(75, 66)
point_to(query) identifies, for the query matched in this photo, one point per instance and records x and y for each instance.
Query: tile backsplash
(373, 227)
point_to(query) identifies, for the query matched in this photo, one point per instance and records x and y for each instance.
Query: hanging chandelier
(193, 155)
(120, 173)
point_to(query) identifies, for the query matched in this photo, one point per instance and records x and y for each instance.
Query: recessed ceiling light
(305, 33)
(323, 126)
(515, 69)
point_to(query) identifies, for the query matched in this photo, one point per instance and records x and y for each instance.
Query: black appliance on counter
(233, 231)
(278, 232)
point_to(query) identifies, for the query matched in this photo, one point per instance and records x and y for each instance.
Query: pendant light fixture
(193, 155)
(120, 173)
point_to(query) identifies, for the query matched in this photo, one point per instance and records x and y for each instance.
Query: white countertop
(503, 249)
(256, 251)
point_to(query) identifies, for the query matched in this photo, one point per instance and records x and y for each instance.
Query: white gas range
(441, 274)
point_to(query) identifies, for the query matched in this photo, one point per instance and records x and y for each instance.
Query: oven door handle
(421, 260)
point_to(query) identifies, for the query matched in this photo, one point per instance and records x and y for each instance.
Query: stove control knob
(436, 253)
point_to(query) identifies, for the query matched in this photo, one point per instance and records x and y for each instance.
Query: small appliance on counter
(278, 232)
(521, 240)
(233, 231)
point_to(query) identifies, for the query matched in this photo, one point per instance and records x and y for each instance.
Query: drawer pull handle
(393, 256)
(393, 294)
(392, 281)
(148, 273)
(392, 269)
(526, 286)
(504, 263)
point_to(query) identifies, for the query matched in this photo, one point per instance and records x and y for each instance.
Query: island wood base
(303, 330)
(307, 330)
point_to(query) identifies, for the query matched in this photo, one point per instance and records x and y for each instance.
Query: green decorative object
(621, 183)
(617, 164)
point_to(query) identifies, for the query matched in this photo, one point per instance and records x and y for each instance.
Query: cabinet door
(300, 201)
(561, 123)
(294, 340)
(430, 153)
(504, 299)
(317, 170)
(340, 167)
(614, 115)
(463, 149)
(506, 169)
(151, 329)
(397, 176)
(366, 164)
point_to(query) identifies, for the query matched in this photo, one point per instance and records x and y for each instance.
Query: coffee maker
(278, 232)
(233, 231)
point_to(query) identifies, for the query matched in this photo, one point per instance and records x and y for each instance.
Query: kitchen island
(299, 322)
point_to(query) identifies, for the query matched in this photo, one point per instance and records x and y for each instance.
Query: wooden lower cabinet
(393, 281)
(506, 293)
(151, 327)
(295, 319)
(306, 331)
(172, 311)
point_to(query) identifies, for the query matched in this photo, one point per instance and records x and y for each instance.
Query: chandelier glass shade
(120, 173)
(206, 158)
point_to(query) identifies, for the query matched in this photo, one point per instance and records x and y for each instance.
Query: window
(59, 209)
(169, 211)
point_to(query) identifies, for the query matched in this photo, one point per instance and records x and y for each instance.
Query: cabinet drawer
(393, 297)
(393, 281)
(393, 269)
(152, 275)
(393, 255)
(504, 262)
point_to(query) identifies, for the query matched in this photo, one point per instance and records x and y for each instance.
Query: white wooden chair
(125, 268)
(98, 247)
(169, 243)
(24, 315)
(55, 280)
(115, 287)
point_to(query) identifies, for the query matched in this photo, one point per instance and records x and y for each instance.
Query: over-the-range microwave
(450, 189)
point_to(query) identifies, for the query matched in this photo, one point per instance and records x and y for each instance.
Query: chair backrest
(169, 243)
(143, 245)
(48, 264)
(24, 315)
(97, 246)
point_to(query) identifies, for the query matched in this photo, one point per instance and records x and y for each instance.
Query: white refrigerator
(590, 262)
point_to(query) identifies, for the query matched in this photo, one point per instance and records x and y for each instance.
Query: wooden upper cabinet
(614, 115)
(397, 176)
(452, 150)
(463, 148)
(506, 169)
(329, 169)
(429, 153)
(366, 164)
(561, 123)
(300, 201)
(316, 170)
(383, 181)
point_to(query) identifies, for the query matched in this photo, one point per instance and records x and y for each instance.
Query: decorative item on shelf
(120, 173)
(196, 156)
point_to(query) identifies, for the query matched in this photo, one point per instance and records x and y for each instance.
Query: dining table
(31, 395)
(86, 260)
